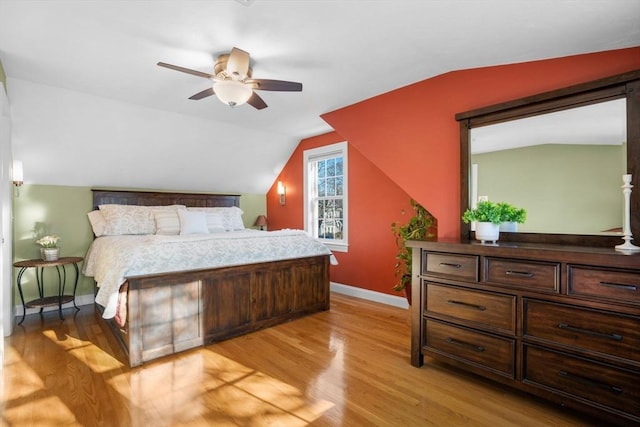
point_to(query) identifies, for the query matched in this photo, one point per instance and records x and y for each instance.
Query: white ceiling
(84, 85)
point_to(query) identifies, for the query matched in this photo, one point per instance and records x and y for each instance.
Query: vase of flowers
(49, 250)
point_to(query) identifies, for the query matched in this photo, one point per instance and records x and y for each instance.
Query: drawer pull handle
(519, 273)
(615, 337)
(473, 347)
(466, 304)
(588, 381)
(450, 264)
(620, 285)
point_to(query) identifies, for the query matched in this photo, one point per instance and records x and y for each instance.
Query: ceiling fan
(232, 81)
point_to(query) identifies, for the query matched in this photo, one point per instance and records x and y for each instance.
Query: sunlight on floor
(332, 377)
(200, 387)
(209, 387)
(86, 352)
(51, 412)
(28, 381)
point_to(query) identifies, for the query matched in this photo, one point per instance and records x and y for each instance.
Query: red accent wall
(374, 203)
(405, 143)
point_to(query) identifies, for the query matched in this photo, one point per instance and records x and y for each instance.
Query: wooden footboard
(172, 312)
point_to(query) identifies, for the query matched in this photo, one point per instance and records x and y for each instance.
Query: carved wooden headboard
(152, 198)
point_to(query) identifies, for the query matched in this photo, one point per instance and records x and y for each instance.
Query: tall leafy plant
(420, 227)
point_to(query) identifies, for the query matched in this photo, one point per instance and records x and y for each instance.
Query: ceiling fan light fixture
(232, 92)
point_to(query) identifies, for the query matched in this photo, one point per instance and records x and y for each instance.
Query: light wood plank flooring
(345, 367)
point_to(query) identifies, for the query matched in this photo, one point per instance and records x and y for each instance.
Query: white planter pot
(49, 254)
(509, 226)
(487, 232)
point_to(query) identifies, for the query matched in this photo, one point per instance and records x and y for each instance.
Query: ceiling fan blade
(203, 94)
(277, 85)
(256, 102)
(185, 70)
(238, 64)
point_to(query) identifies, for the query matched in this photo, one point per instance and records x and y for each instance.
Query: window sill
(336, 247)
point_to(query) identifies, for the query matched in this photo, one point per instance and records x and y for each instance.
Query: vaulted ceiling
(90, 107)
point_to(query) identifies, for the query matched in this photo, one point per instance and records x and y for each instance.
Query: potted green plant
(420, 227)
(488, 217)
(511, 216)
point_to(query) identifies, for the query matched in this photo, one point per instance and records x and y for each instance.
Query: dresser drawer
(482, 308)
(535, 276)
(450, 266)
(476, 348)
(576, 377)
(601, 283)
(608, 333)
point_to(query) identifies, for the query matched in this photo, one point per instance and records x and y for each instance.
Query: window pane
(331, 167)
(339, 186)
(330, 219)
(331, 186)
(322, 187)
(337, 208)
(339, 166)
(322, 169)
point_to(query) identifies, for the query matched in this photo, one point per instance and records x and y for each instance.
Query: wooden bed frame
(171, 312)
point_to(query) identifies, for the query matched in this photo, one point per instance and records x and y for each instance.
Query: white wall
(6, 234)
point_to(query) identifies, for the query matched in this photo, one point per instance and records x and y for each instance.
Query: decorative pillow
(167, 220)
(127, 219)
(215, 222)
(234, 216)
(222, 218)
(192, 222)
(98, 223)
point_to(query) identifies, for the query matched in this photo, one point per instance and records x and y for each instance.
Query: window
(325, 198)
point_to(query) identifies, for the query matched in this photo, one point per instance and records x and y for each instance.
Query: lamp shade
(232, 92)
(261, 221)
(17, 174)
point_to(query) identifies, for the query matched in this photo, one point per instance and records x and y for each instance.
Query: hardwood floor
(345, 367)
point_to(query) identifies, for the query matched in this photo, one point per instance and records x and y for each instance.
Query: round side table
(46, 301)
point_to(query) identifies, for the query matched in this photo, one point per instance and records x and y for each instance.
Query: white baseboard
(352, 291)
(80, 300)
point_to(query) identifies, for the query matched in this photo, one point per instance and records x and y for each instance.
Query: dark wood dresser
(560, 322)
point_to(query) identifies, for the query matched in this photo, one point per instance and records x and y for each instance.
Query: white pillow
(127, 219)
(167, 220)
(215, 222)
(98, 223)
(234, 215)
(222, 218)
(192, 222)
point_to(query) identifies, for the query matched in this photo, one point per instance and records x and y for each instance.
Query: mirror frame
(626, 85)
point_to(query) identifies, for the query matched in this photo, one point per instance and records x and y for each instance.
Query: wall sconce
(281, 192)
(17, 175)
(261, 222)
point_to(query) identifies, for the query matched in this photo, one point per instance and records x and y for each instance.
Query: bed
(164, 312)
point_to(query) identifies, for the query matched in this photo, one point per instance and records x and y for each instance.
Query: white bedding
(111, 259)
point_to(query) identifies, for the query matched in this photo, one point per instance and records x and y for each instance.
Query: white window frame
(311, 156)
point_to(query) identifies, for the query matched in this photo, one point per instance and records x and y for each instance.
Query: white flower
(48, 241)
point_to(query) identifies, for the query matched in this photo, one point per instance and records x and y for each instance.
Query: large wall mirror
(560, 155)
